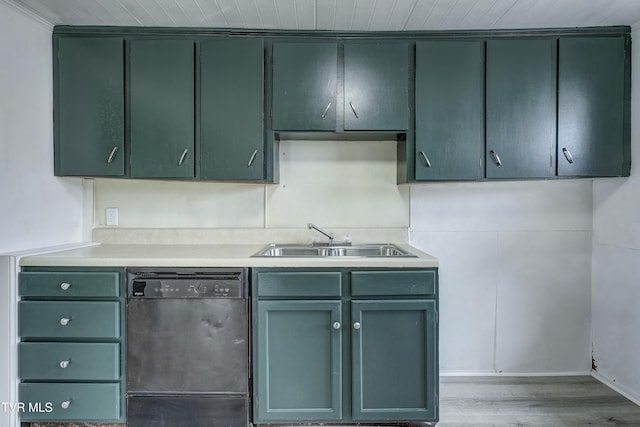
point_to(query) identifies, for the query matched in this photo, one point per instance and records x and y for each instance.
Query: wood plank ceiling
(340, 15)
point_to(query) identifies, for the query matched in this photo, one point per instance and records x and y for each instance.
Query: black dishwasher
(187, 347)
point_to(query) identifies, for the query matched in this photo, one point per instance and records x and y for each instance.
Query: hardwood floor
(532, 401)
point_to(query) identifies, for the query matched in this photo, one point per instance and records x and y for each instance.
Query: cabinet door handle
(496, 158)
(65, 321)
(356, 325)
(326, 110)
(336, 325)
(65, 404)
(64, 364)
(353, 109)
(64, 286)
(567, 154)
(112, 155)
(184, 154)
(253, 157)
(426, 159)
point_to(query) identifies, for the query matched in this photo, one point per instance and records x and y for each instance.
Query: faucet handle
(347, 240)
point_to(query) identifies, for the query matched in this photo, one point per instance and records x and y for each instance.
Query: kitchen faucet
(330, 236)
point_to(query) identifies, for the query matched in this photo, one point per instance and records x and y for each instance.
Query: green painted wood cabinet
(349, 86)
(231, 109)
(71, 354)
(89, 106)
(305, 79)
(354, 345)
(521, 108)
(593, 106)
(376, 86)
(162, 108)
(449, 110)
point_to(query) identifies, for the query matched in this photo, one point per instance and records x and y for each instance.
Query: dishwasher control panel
(149, 284)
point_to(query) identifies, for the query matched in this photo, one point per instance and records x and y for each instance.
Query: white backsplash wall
(616, 262)
(515, 260)
(345, 184)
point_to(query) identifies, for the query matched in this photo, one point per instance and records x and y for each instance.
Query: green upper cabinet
(449, 110)
(89, 106)
(304, 91)
(299, 361)
(521, 108)
(593, 106)
(376, 86)
(231, 109)
(161, 113)
(394, 362)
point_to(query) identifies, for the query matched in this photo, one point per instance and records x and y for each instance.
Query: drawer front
(69, 361)
(70, 401)
(65, 319)
(300, 284)
(393, 283)
(69, 284)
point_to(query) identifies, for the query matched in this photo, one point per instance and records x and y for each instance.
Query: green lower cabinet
(394, 360)
(69, 401)
(299, 374)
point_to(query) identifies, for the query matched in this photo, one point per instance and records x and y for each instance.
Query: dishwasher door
(187, 346)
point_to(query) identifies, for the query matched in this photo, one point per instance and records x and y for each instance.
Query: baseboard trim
(512, 374)
(634, 397)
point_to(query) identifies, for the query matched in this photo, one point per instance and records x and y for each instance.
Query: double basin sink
(384, 250)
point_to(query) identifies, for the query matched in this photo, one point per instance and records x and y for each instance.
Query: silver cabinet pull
(356, 325)
(112, 155)
(65, 404)
(65, 321)
(326, 110)
(64, 364)
(567, 155)
(336, 325)
(253, 157)
(496, 158)
(426, 159)
(353, 109)
(184, 154)
(64, 286)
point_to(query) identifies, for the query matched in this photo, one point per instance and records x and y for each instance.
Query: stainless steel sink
(309, 251)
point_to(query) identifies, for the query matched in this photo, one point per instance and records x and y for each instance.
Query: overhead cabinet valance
(211, 105)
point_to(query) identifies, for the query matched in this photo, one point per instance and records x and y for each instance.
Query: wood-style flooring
(532, 401)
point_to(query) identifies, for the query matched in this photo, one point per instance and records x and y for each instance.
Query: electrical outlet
(112, 216)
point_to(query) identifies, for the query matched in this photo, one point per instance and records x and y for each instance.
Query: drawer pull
(65, 321)
(64, 286)
(356, 325)
(64, 364)
(65, 404)
(336, 325)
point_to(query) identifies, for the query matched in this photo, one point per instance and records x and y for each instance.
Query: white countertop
(205, 255)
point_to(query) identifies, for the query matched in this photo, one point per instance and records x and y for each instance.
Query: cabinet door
(591, 107)
(521, 108)
(449, 110)
(89, 106)
(299, 359)
(162, 108)
(304, 86)
(231, 119)
(394, 365)
(376, 86)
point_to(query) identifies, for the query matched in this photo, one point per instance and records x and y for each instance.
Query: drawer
(69, 361)
(70, 401)
(69, 284)
(393, 283)
(300, 284)
(67, 319)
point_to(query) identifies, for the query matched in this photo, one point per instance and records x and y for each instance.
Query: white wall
(515, 273)
(616, 262)
(346, 184)
(36, 209)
